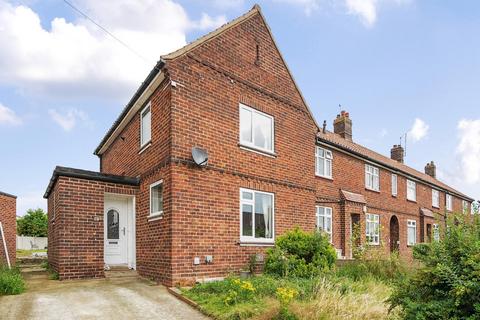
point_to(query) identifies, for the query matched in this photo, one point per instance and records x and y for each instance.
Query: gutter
(7, 195)
(155, 71)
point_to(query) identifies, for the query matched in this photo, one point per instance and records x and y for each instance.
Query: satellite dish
(200, 156)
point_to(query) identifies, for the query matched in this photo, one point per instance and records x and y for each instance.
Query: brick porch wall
(77, 234)
(8, 217)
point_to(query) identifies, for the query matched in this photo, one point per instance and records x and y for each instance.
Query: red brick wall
(349, 174)
(8, 217)
(76, 233)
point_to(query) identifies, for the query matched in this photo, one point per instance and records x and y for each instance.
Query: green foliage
(300, 254)
(33, 224)
(11, 281)
(447, 286)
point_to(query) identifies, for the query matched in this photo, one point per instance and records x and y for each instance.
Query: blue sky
(396, 65)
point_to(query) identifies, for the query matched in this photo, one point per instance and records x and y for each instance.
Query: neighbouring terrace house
(160, 207)
(8, 219)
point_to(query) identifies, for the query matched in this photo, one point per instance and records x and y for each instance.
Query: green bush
(300, 254)
(447, 286)
(11, 281)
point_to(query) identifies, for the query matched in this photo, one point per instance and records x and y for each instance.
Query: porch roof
(88, 175)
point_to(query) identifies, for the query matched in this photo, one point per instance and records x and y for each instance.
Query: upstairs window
(394, 184)
(411, 190)
(435, 198)
(145, 125)
(156, 199)
(323, 162)
(257, 216)
(372, 178)
(411, 232)
(324, 220)
(436, 232)
(256, 129)
(448, 202)
(373, 228)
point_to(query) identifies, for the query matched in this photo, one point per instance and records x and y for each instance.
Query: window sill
(435, 207)
(373, 190)
(255, 244)
(394, 195)
(324, 177)
(154, 217)
(373, 244)
(412, 201)
(257, 150)
(145, 147)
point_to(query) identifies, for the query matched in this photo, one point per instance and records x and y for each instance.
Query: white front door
(115, 222)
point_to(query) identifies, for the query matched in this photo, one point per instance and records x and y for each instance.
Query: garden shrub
(300, 254)
(11, 281)
(447, 285)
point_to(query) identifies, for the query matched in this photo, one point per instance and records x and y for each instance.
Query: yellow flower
(285, 295)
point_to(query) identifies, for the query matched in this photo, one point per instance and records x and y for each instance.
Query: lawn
(29, 253)
(335, 295)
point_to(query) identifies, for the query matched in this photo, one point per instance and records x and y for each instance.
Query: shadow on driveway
(95, 299)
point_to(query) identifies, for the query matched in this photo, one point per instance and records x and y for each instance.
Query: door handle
(123, 230)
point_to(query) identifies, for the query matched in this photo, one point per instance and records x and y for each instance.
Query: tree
(33, 224)
(447, 285)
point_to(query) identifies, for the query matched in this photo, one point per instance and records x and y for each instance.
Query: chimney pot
(324, 130)
(342, 125)
(397, 153)
(431, 169)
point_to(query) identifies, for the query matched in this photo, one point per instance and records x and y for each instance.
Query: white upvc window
(411, 190)
(436, 232)
(145, 125)
(323, 162)
(324, 220)
(411, 232)
(394, 185)
(448, 202)
(373, 228)
(256, 216)
(156, 199)
(435, 198)
(465, 206)
(372, 178)
(256, 129)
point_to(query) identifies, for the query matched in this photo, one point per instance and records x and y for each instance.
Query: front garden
(301, 281)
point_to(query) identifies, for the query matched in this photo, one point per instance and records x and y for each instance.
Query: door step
(121, 273)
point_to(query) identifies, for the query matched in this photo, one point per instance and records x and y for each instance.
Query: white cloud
(365, 10)
(73, 58)
(468, 150)
(418, 131)
(30, 200)
(68, 120)
(8, 116)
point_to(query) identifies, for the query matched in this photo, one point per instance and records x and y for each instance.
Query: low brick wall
(8, 210)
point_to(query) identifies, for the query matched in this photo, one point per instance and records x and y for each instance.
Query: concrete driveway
(130, 298)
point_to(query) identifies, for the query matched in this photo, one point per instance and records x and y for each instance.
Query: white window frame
(372, 172)
(251, 144)
(412, 224)
(435, 198)
(372, 228)
(411, 183)
(327, 162)
(394, 185)
(448, 202)
(142, 113)
(252, 239)
(436, 232)
(159, 213)
(327, 216)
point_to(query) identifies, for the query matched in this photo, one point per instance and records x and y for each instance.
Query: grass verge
(29, 253)
(11, 281)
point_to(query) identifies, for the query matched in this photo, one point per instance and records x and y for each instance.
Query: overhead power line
(104, 30)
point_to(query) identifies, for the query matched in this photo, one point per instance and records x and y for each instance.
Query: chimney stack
(431, 170)
(342, 125)
(397, 153)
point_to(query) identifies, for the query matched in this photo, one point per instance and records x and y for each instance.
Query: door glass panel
(113, 226)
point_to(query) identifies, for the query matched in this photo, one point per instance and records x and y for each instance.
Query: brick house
(8, 218)
(270, 167)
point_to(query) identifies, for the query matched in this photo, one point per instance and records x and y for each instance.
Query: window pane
(245, 125)
(411, 235)
(113, 225)
(328, 168)
(321, 166)
(146, 126)
(263, 216)
(262, 131)
(247, 222)
(157, 199)
(247, 195)
(321, 222)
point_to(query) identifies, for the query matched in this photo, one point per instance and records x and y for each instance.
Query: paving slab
(118, 298)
